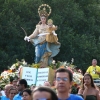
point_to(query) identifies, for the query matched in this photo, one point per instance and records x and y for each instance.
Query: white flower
(24, 63)
(17, 72)
(5, 77)
(72, 60)
(5, 73)
(66, 66)
(77, 77)
(13, 67)
(65, 63)
(20, 67)
(12, 74)
(53, 62)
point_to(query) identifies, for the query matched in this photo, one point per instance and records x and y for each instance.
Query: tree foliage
(78, 24)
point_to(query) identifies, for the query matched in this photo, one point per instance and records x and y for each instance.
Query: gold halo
(44, 8)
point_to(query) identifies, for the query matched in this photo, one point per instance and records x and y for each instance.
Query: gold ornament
(42, 10)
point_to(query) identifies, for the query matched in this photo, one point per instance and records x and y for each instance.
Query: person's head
(27, 94)
(12, 93)
(50, 22)
(88, 80)
(43, 19)
(33, 87)
(46, 83)
(21, 84)
(43, 12)
(44, 93)
(94, 62)
(7, 88)
(14, 82)
(63, 80)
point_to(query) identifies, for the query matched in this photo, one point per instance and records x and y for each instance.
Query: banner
(37, 76)
(29, 74)
(44, 74)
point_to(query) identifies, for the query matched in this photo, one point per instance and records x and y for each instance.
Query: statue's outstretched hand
(26, 38)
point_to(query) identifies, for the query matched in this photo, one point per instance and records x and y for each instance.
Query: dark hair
(59, 70)
(28, 91)
(47, 89)
(23, 81)
(92, 83)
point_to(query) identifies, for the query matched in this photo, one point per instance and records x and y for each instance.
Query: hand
(26, 38)
(97, 72)
(85, 86)
(54, 33)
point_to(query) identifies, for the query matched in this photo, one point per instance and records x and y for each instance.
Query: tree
(78, 30)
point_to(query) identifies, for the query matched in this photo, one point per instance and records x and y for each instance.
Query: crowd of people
(19, 89)
(45, 50)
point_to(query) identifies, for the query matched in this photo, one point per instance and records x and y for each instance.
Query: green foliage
(78, 24)
(74, 90)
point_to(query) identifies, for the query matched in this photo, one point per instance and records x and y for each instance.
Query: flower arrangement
(77, 73)
(7, 76)
(13, 72)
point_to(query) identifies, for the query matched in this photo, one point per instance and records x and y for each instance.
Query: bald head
(94, 62)
(8, 85)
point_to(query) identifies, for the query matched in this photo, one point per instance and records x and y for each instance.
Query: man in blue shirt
(21, 85)
(63, 83)
(7, 88)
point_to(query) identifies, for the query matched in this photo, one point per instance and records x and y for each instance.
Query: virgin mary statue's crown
(42, 10)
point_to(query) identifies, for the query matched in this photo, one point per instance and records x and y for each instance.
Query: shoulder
(89, 68)
(80, 91)
(97, 91)
(16, 97)
(97, 66)
(76, 97)
(4, 98)
(1, 97)
(37, 26)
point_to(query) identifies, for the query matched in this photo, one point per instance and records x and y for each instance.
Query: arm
(98, 70)
(97, 94)
(83, 92)
(88, 70)
(80, 92)
(54, 27)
